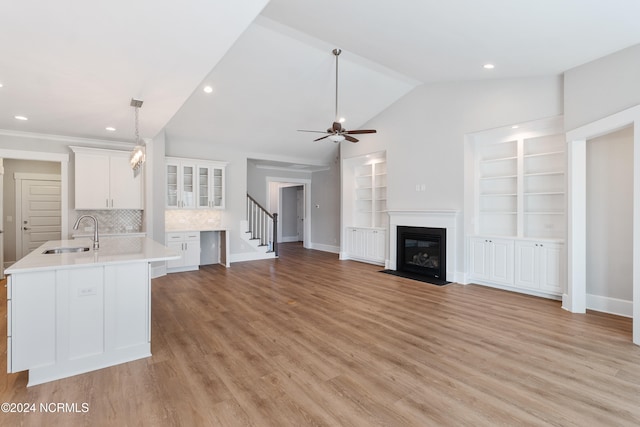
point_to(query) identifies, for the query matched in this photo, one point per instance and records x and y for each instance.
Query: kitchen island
(74, 309)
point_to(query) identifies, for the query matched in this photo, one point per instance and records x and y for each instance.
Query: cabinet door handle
(107, 202)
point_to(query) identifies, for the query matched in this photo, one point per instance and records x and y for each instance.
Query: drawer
(175, 237)
(193, 236)
(8, 286)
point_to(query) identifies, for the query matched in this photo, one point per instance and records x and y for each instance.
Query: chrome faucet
(96, 241)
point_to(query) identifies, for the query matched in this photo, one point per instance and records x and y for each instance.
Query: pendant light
(137, 157)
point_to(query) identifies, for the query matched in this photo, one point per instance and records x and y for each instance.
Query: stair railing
(263, 226)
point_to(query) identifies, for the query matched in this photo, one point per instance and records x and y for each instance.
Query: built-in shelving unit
(365, 219)
(515, 207)
(520, 187)
(371, 194)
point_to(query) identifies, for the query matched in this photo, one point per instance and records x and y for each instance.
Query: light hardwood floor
(310, 340)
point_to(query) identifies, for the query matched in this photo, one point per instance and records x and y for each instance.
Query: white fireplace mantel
(447, 219)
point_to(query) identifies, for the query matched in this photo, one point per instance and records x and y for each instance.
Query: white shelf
(520, 187)
(499, 159)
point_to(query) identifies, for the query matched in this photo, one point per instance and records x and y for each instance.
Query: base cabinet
(539, 266)
(65, 322)
(492, 260)
(366, 244)
(533, 266)
(188, 245)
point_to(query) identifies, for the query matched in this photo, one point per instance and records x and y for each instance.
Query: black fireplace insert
(422, 251)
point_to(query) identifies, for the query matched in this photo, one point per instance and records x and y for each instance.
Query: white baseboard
(250, 256)
(290, 239)
(609, 305)
(325, 248)
(158, 271)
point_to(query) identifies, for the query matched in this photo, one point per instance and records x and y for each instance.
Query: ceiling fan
(336, 132)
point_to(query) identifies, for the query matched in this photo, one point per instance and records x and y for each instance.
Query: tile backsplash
(112, 221)
(192, 219)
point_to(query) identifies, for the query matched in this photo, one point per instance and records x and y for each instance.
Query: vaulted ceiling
(71, 66)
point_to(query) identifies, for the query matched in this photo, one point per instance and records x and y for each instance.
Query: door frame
(294, 182)
(26, 176)
(575, 298)
(63, 159)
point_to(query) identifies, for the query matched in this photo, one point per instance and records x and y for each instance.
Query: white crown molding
(69, 139)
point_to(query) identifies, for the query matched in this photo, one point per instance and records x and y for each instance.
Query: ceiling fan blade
(314, 131)
(349, 138)
(355, 132)
(322, 137)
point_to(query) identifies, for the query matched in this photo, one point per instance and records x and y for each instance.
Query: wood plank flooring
(307, 340)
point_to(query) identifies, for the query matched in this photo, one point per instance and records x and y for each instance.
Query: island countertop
(114, 250)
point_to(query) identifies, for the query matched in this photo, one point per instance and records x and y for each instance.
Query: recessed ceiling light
(515, 127)
(0, 84)
(208, 89)
(20, 118)
(110, 128)
(489, 66)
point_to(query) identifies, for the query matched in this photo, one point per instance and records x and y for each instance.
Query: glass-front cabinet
(194, 183)
(210, 186)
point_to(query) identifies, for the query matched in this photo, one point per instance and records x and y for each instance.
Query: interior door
(40, 213)
(300, 213)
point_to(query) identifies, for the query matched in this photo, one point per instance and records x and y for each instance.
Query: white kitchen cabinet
(181, 184)
(491, 260)
(64, 322)
(366, 244)
(195, 183)
(539, 266)
(187, 244)
(211, 185)
(104, 180)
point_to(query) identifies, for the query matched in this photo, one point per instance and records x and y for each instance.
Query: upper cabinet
(104, 180)
(194, 183)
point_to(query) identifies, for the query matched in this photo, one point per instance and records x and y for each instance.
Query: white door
(40, 216)
(300, 213)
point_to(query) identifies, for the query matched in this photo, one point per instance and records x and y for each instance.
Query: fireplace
(422, 251)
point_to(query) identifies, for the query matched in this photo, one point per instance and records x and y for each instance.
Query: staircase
(261, 230)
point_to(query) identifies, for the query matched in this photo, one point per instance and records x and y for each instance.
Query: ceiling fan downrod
(337, 53)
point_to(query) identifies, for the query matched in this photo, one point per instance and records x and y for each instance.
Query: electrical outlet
(85, 292)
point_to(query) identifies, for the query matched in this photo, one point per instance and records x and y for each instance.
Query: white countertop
(115, 250)
(191, 229)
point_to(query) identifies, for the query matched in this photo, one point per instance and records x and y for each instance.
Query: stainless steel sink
(66, 250)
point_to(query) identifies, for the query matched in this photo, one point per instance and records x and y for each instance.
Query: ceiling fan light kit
(336, 132)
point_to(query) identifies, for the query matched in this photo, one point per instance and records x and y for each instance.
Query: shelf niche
(516, 181)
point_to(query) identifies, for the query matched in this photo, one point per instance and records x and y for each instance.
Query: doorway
(17, 161)
(575, 299)
(297, 207)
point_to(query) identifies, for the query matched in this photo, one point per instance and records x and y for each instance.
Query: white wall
(325, 209)
(423, 135)
(602, 87)
(257, 180)
(610, 215)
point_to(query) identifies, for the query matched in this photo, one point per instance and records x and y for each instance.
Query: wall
(257, 181)
(12, 166)
(602, 87)
(610, 215)
(423, 135)
(325, 209)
